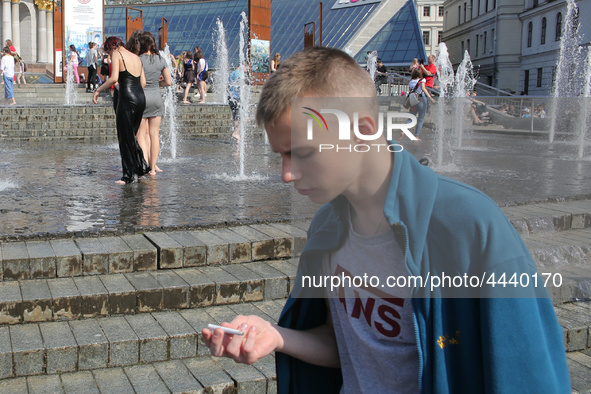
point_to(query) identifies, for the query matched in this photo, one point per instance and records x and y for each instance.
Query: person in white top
(7, 68)
(419, 110)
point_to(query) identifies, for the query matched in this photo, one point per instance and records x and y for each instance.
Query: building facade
(29, 25)
(545, 24)
(431, 13)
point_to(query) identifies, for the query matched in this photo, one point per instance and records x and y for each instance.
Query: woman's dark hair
(147, 43)
(133, 44)
(189, 55)
(112, 43)
(198, 54)
(416, 73)
(73, 48)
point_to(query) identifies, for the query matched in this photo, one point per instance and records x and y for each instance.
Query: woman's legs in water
(202, 87)
(143, 139)
(75, 68)
(154, 127)
(421, 112)
(187, 92)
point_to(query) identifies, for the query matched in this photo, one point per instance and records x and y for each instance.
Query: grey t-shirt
(153, 66)
(373, 326)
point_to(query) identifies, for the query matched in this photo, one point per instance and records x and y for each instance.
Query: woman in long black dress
(128, 72)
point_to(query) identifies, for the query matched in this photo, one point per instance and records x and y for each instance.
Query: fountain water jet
(244, 89)
(71, 86)
(372, 64)
(221, 63)
(464, 82)
(169, 104)
(445, 74)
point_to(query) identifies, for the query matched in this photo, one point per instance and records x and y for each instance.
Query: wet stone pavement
(67, 187)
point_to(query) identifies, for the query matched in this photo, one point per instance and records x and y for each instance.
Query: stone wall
(91, 121)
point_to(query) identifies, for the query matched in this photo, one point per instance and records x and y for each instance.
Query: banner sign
(351, 3)
(83, 23)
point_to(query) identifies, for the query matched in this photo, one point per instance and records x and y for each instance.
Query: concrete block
(228, 287)
(95, 258)
(11, 306)
(120, 254)
(145, 379)
(44, 384)
(68, 257)
(263, 245)
(94, 299)
(152, 338)
(202, 289)
(276, 282)
(36, 301)
(288, 267)
(42, 260)
(194, 251)
(60, 347)
(66, 298)
(15, 261)
(283, 244)
(249, 308)
(123, 342)
(218, 250)
(299, 236)
(28, 350)
(170, 252)
(266, 366)
(122, 294)
(178, 378)
(221, 313)
(181, 336)
(79, 383)
(149, 291)
(93, 345)
(248, 379)
(210, 375)
(271, 308)
(145, 254)
(198, 319)
(6, 370)
(251, 284)
(15, 386)
(112, 381)
(240, 248)
(175, 291)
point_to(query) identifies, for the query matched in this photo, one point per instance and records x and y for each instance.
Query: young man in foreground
(386, 215)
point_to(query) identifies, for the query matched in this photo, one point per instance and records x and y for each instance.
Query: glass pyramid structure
(399, 40)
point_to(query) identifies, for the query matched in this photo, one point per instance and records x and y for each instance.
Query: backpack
(24, 66)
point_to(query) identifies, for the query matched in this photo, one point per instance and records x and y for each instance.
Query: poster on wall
(260, 50)
(83, 23)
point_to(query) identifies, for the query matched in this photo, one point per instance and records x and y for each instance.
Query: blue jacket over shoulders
(489, 343)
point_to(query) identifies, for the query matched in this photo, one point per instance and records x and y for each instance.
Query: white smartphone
(225, 329)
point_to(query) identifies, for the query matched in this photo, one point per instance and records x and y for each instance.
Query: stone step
(579, 366)
(60, 299)
(531, 219)
(116, 341)
(153, 250)
(575, 320)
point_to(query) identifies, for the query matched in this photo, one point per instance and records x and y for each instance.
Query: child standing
(7, 66)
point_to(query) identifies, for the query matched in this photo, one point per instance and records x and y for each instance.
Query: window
(492, 39)
(467, 47)
(462, 53)
(558, 26)
(427, 10)
(459, 14)
(543, 37)
(530, 30)
(445, 19)
(485, 6)
(484, 44)
(471, 9)
(440, 11)
(478, 13)
(464, 12)
(477, 39)
(494, 5)
(539, 79)
(526, 82)
(535, 3)
(439, 36)
(426, 37)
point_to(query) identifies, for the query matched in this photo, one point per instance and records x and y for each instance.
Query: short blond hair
(317, 72)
